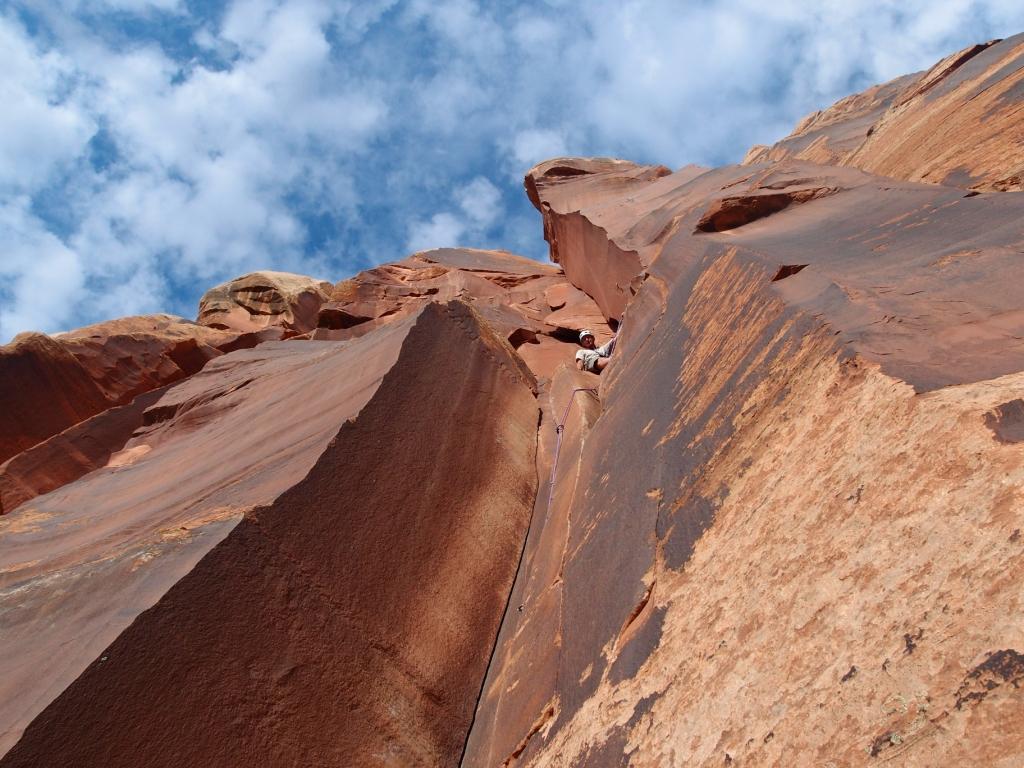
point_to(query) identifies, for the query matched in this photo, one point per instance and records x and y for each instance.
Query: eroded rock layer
(532, 305)
(50, 383)
(264, 299)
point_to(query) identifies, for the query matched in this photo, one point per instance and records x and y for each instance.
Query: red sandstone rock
(912, 276)
(752, 544)
(328, 571)
(44, 389)
(50, 384)
(786, 532)
(263, 299)
(69, 455)
(132, 355)
(510, 292)
(764, 505)
(956, 124)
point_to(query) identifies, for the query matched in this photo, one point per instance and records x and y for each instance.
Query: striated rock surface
(44, 389)
(132, 355)
(50, 383)
(326, 596)
(72, 453)
(911, 276)
(264, 299)
(956, 124)
(789, 532)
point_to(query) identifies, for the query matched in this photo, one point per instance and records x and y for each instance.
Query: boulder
(264, 299)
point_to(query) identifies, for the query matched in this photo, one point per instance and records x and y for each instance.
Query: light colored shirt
(590, 356)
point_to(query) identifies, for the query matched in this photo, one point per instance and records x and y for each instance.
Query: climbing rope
(559, 428)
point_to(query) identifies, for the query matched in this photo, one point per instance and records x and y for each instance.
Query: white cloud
(39, 132)
(42, 279)
(533, 146)
(480, 207)
(303, 135)
(480, 200)
(442, 230)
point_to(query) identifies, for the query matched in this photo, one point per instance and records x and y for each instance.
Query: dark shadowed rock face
(55, 384)
(75, 452)
(50, 383)
(348, 621)
(44, 390)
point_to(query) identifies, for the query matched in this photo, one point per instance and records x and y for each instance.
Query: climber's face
(587, 342)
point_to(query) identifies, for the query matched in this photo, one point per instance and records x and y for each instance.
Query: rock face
(74, 452)
(264, 299)
(532, 305)
(44, 390)
(333, 601)
(956, 124)
(770, 546)
(782, 528)
(52, 383)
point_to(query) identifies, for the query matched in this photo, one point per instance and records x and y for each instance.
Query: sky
(150, 149)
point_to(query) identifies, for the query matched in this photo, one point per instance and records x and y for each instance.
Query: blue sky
(153, 148)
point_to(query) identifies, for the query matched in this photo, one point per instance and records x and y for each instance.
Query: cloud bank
(151, 148)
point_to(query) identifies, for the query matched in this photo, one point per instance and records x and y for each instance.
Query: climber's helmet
(586, 334)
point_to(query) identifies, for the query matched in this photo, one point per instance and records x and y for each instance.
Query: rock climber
(593, 358)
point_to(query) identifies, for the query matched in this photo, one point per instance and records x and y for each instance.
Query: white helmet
(586, 332)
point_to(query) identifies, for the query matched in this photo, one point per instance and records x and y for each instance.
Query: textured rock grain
(510, 292)
(791, 535)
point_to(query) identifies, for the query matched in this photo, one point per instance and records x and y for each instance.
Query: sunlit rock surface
(532, 305)
(792, 534)
(264, 299)
(956, 124)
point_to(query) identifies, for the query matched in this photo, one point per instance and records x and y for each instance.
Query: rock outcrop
(50, 383)
(532, 305)
(72, 453)
(770, 546)
(388, 522)
(956, 124)
(44, 389)
(263, 300)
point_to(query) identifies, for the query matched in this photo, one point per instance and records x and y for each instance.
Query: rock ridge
(281, 567)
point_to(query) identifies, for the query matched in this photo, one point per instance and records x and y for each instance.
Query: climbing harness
(559, 428)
